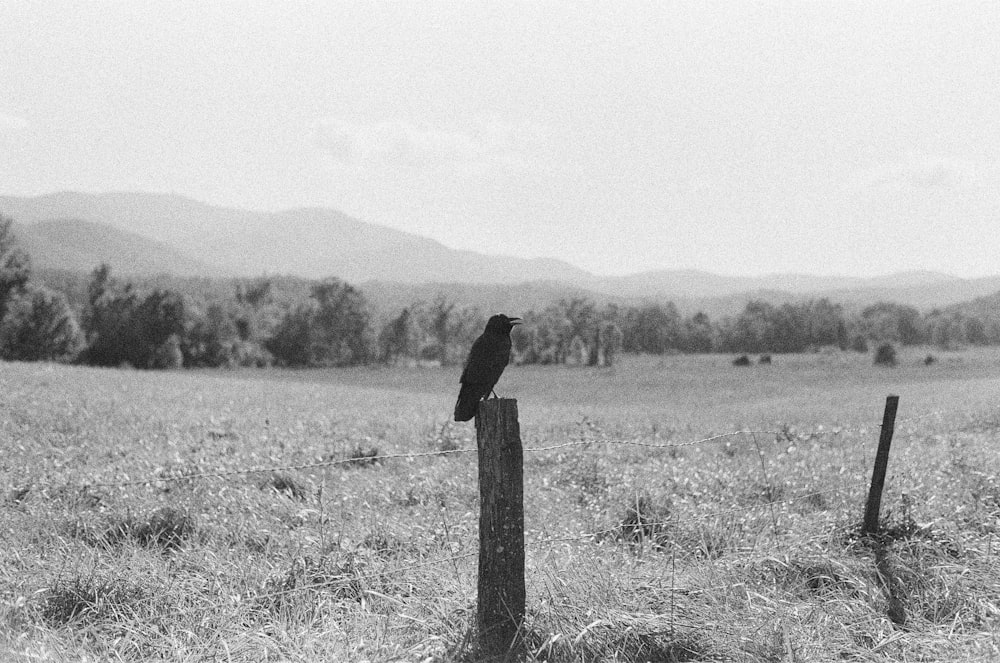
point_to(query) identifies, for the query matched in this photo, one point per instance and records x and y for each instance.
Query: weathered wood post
(501, 527)
(881, 462)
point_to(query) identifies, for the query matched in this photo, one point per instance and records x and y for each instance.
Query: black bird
(489, 355)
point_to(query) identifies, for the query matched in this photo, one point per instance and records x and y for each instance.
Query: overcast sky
(740, 138)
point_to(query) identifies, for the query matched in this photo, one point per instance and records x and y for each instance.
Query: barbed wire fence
(645, 532)
(779, 433)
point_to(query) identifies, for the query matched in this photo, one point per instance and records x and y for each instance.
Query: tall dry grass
(736, 549)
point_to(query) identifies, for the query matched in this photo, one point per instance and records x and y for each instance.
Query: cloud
(926, 171)
(518, 146)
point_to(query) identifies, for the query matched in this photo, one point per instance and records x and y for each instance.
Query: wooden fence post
(501, 527)
(881, 462)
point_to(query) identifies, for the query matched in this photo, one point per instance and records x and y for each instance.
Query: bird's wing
(487, 359)
(475, 362)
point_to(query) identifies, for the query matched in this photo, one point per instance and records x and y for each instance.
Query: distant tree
(947, 329)
(652, 328)
(696, 334)
(523, 345)
(217, 335)
(123, 328)
(609, 342)
(859, 343)
(254, 294)
(440, 325)
(340, 326)
(993, 332)
(467, 324)
(791, 327)
(580, 319)
(211, 338)
(107, 321)
(577, 352)
(254, 312)
(159, 320)
(826, 324)
(332, 330)
(396, 338)
(548, 340)
(98, 287)
(291, 342)
(15, 266)
(954, 328)
(440, 331)
(564, 331)
(889, 321)
(39, 326)
(168, 354)
(975, 331)
(571, 331)
(754, 330)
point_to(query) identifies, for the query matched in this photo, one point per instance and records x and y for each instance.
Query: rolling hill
(145, 233)
(307, 242)
(79, 246)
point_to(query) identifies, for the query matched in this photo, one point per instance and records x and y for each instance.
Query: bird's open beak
(514, 321)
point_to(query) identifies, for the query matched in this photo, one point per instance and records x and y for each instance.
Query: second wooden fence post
(501, 527)
(881, 463)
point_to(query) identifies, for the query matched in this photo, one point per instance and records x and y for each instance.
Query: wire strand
(224, 474)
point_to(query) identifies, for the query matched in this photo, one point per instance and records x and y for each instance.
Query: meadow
(136, 527)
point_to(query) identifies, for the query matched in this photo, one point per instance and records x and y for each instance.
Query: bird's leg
(494, 394)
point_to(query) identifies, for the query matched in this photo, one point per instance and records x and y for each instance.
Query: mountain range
(144, 233)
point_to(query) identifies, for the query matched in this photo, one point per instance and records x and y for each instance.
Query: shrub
(885, 355)
(742, 360)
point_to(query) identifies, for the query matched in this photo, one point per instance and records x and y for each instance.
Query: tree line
(105, 321)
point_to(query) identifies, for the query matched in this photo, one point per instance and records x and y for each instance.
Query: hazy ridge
(142, 234)
(75, 245)
(307, 242)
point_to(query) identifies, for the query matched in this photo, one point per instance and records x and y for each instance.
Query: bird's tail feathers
(467, 404)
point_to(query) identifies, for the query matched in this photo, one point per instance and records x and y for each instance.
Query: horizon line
(592, 273)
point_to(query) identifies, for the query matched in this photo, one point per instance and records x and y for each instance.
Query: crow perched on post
(489, 355)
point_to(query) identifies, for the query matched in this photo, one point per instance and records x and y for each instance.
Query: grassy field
(639, 546)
